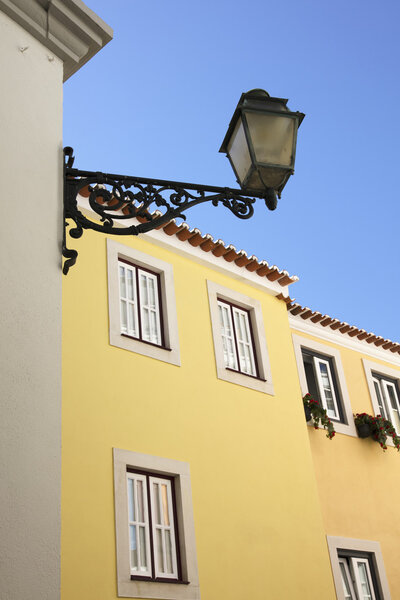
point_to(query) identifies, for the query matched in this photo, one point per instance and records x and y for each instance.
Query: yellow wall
(259, 530)
(358, 483)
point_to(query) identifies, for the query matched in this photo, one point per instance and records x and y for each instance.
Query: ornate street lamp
(260, 144)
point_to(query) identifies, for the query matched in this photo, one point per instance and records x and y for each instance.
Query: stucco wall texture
(256, 508)
(30, 315)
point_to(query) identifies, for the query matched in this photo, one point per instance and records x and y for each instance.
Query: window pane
(152, 296)
(165, 505)
(153, 327)
(133, 547)
(378, 393)
(145, 324)
(130, 294)
(391, 390)
(124, 317)
(122, 282)
(159, 550)
(365, 587)
(131, 500)
(157, 515)
(144, 298)
(143, 553)
(140, 501)
(168, 551)
(345, 581)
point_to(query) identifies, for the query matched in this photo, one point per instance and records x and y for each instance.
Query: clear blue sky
(157, 100)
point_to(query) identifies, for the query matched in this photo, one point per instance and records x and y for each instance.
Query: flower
(319, 416)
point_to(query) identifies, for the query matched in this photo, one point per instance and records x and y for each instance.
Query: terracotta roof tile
(342, 327)
(229, 253)
(218, 248)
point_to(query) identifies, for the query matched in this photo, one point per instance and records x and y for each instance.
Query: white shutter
(362, 577)
(348, 590)
(381, 403)
(244, 341)
(128, 300)
(149, 307)
(227, 335)
(325, 385)
(138, 524)
(163, 527)
(392, 402)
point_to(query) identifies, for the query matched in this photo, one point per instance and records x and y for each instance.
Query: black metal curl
(115, 198)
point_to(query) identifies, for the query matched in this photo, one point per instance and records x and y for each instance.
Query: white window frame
(262, 383)
(300, 343)
(349, 581)
(188, 588)
(233, 311)
(317, 361)
(384, 371)
(336, 544)
(135, 477)
(170, 351)
(163, 528)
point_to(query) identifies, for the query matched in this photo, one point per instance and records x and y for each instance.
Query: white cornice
(341, 339)
(68, 28)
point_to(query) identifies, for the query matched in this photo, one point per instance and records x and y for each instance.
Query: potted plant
(318, 414)
(363, 424)
(379, 429)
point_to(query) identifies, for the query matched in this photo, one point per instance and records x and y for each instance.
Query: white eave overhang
(68, 28)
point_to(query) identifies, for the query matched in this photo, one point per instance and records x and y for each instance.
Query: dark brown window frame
(248, 311)
(170, 478)
(138, 267)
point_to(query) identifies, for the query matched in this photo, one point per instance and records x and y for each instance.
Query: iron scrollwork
(151, 202)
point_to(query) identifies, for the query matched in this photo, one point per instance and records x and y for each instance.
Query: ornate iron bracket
(120, 198)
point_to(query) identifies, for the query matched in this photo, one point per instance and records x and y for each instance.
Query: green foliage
(319, 416)
(380, 427)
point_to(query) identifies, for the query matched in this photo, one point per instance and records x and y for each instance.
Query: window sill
(245, 374)
(130, 337)
(159, 580)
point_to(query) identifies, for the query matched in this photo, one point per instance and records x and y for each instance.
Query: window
(387, 396)
(240, 345)
(356, 578)
(383, 384)
(358, 569)
(237, 338)
(321, 375)
(141, 302)
(140, 310)
(321, 382)
(152, 527)
(156, 553)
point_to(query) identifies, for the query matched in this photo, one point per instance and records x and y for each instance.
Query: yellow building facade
(188, 468)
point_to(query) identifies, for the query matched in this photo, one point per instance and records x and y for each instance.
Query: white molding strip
(68, 28)
(341, 340)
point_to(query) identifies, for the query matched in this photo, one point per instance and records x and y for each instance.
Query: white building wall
(41, 44)
(30, 317)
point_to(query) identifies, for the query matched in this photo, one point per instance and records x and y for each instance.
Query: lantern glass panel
(267, 177)
(272, 137)
(238, 151)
